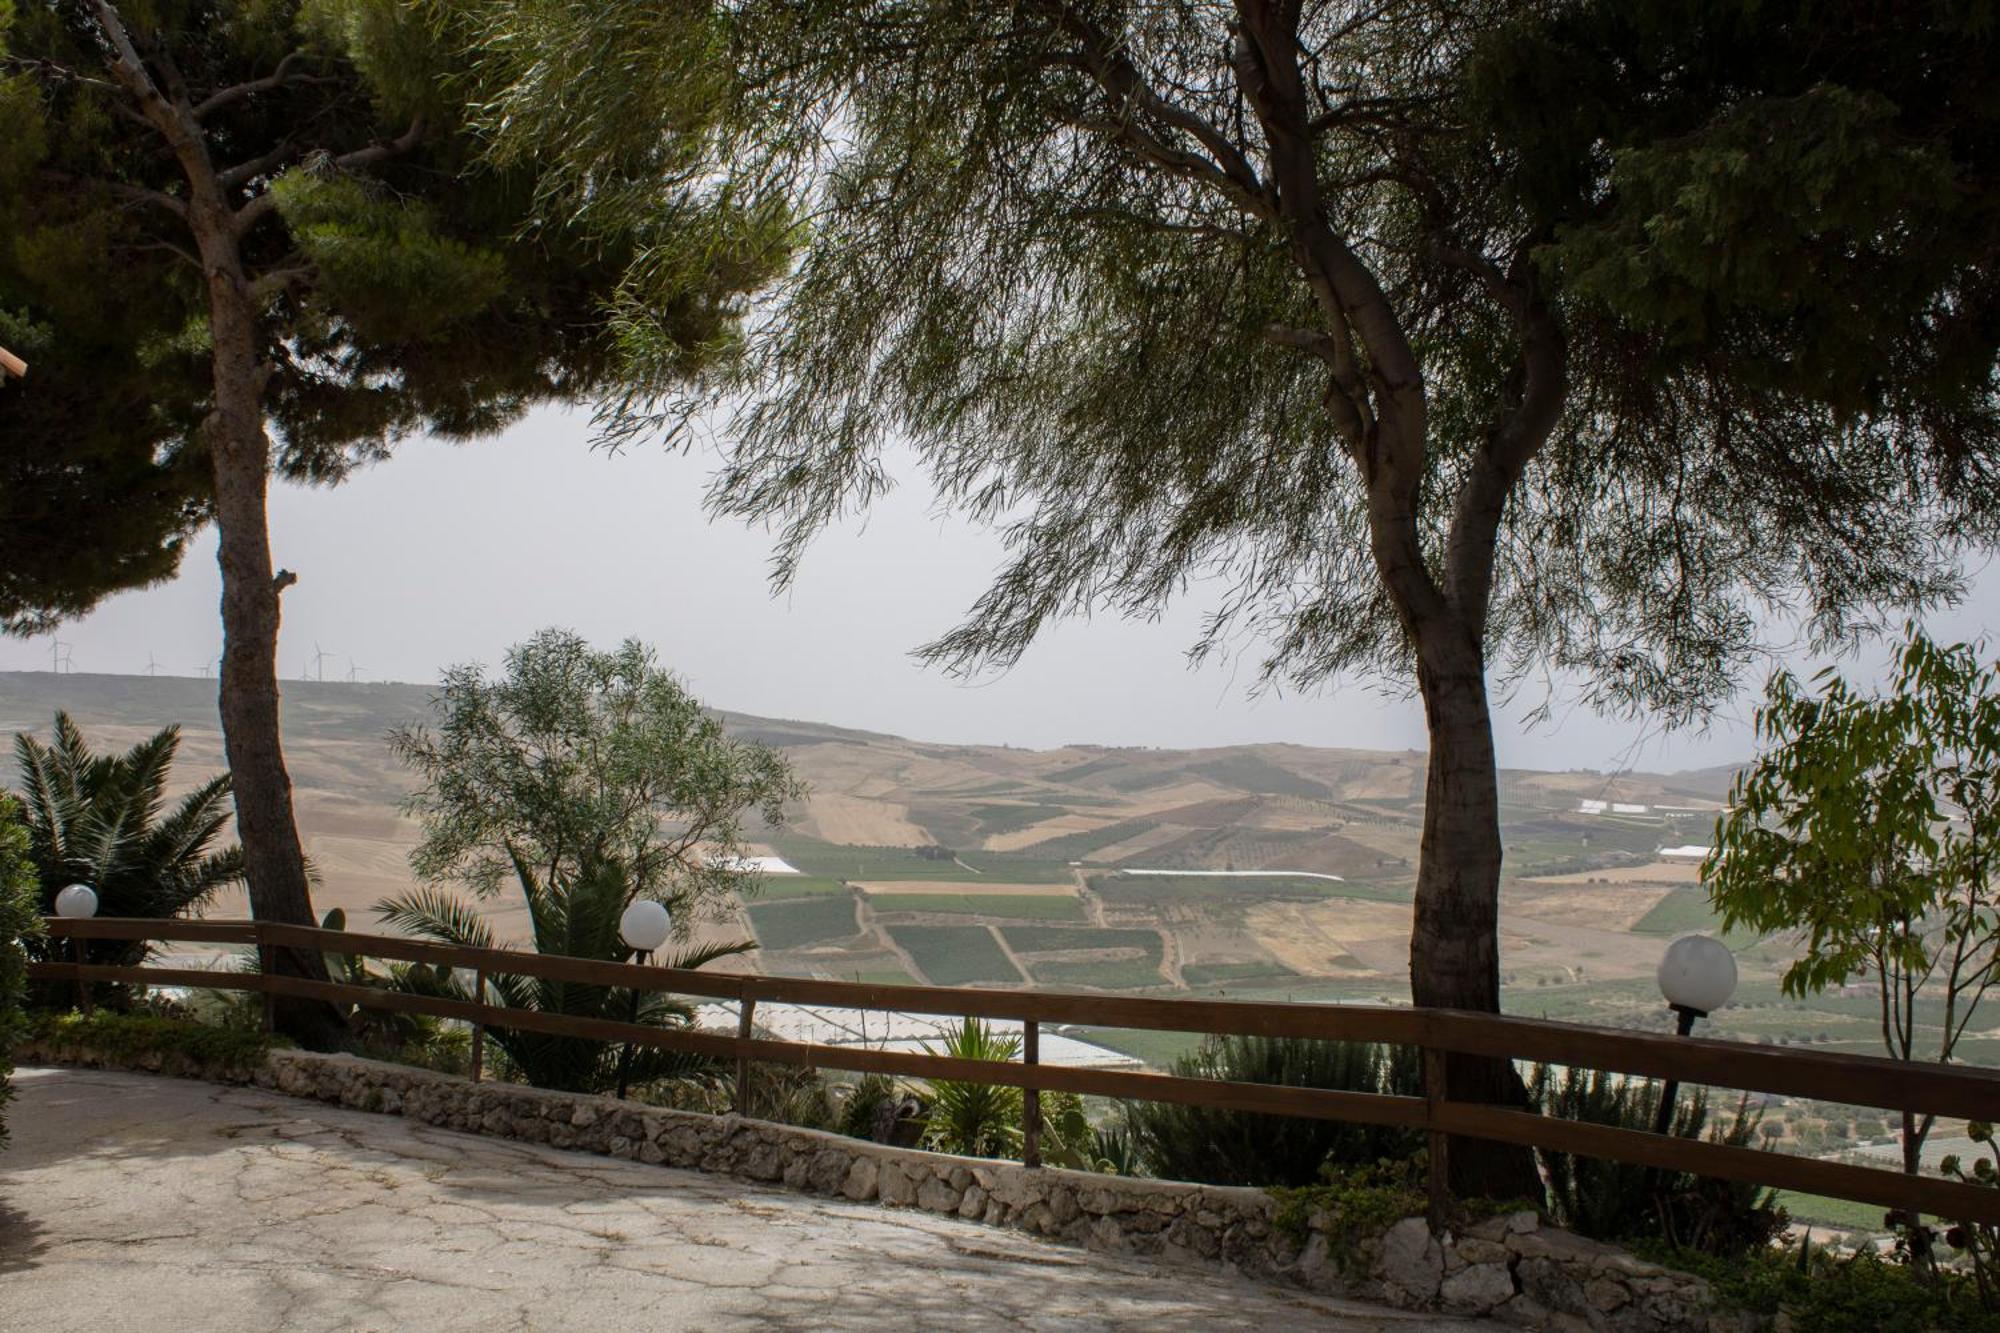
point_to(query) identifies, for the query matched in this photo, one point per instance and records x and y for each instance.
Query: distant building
(1688, 853)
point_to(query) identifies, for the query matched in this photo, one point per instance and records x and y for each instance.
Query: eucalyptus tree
(233, 224)
(1453, 341)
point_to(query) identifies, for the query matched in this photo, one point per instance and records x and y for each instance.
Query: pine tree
(253, 235)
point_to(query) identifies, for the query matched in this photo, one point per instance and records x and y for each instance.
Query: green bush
(234, 1049)
(974, 1119)
(1820, 1292)
(20, 921)
(1218, 1147)
(1618, 1201)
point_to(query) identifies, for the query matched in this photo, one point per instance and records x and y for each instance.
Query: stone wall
(1510, 1268)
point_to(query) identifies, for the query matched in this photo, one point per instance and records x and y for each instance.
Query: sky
(449, 553)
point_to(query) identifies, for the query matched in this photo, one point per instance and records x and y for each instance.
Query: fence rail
(1851, 1079)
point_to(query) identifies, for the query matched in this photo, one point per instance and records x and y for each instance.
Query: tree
(20, 924)
(588, 780)
(576, 758)
(1453, 340)
(105, 821)
(230, 220)
(1872, 824)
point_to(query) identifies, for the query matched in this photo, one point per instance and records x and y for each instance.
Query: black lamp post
(644, 928)
(1697, 975)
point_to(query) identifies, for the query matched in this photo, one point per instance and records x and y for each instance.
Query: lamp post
(1697, 975)
(76, 903)
(644, 927)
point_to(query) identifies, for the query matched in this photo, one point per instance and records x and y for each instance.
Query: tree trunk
(247, 699)
(1454, 944)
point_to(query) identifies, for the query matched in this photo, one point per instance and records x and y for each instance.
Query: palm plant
(105, 821)
(974, 1119)
(574, 915)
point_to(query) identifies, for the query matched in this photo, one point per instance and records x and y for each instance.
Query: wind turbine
(319, 660)
(152, 665)
(68, 665)
(353, 672)
(56, 647)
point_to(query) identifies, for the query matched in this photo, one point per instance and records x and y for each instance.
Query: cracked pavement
(136, 1202)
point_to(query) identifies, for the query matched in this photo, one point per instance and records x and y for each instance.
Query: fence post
(1031, 1098)
(264, 969)
(479, 1024)
(747, 1010)
(1439, 1142)
(83, 998)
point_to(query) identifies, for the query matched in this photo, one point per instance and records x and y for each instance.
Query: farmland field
(1213, 974)
(1059, 939)
(956, 955)
(1022, 906)
(773, 888)
(1107, 974)
(788, 925)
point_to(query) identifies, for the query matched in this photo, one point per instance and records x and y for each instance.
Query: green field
(1223, 889)
(1248, 772)
(1157, 1049)
(1019, 906)
(1008, 868)
(1057, 939)
(778, 888)
(1215, 974)
(840, 861)
(1831, 1212)
(788, 925)
(1111, 974)
(1077, 846)
(956, 955)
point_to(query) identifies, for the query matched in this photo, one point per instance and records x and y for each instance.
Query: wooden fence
(1854, 1079)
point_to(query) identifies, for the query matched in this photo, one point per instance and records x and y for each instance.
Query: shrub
(231, 1049)
(1619, 1201)
(974, 1119)
(1819, 1292)
(20, 921)
(1219, 1147)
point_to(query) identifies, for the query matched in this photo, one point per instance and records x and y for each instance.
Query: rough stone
(937, 1196)
(861, 1178)
(1477, 1288)
(1411, 1260)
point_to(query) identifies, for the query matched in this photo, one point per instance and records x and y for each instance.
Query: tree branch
(229, 96)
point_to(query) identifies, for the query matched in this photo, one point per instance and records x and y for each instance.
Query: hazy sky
(449, 553)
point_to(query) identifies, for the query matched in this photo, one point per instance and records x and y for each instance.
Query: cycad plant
(575, 915)
(105, 821)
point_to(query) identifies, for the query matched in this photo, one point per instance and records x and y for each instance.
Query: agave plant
(105, 821)
(575, 916)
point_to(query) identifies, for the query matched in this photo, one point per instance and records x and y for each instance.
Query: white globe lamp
(77, 901)
(645, 926)
(1697, 975)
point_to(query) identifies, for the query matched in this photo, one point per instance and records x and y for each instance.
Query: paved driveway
(131, 1202)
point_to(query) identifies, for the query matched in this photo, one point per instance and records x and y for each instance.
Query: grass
(1076, 846)
(1156, 1049)
(1020, 906)
(788, 925)
(1008, 868)
(1057, 939)
(1222, 890)
(997, 819)
(956, 955)
(1831, 1212)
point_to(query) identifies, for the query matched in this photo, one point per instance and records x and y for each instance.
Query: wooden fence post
(1439, 1142)
(479, 1024)
(1031, 1098)
(748, 1009)
(264, 969)
(83, 997)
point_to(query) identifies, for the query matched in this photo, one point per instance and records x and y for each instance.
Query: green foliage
(234, 1049)
(574, 756)
(574, 915)
(1820, 1292)
(1618, 1201)
(974, 1119)
(20, 922)
(1870, 823)
(1355, 1203)
(401, 286)
(1220, 1147)
(1979, 1242)
(106, 821)
(861, 1110)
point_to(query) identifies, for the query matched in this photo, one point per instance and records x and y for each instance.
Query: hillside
(1080, 867)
